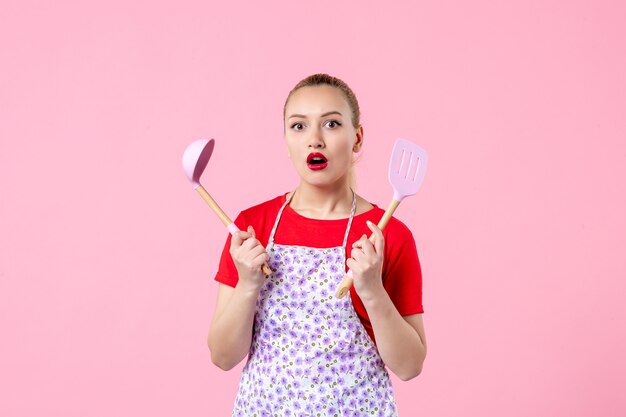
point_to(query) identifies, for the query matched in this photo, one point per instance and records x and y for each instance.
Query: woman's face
(319, 133)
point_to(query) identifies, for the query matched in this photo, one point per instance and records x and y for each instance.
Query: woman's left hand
(366, 263)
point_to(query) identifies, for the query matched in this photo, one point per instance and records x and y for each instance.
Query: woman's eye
(332, 124)
(297, 126)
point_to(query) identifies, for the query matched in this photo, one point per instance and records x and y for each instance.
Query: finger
(357, 254)
(261, 259)
(365, 246)
(377, 234)
(238, 238)
(353, 265)
(255, 252)
(368, 248)
(360, 242)
(250, 243)
(251, 231)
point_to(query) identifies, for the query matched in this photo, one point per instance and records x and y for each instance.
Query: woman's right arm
(230, 335)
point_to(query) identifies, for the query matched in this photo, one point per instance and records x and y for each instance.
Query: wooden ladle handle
(224, 218)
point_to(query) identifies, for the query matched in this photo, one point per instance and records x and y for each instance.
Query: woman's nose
(316, 140)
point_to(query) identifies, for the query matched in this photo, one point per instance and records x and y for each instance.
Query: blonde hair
(325, 79)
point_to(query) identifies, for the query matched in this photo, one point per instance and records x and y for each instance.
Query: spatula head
(407, 168)
(195, 159)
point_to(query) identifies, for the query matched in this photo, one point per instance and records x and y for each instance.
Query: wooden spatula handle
(393, 205)
(224, 218)
(347, 281)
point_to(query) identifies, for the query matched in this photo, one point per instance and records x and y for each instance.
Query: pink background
(107, 255)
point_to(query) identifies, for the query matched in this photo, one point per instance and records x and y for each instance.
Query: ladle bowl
(195, 159)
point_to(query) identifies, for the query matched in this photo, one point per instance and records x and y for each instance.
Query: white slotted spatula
(407, 168)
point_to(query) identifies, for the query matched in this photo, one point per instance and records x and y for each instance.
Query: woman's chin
(329, 182)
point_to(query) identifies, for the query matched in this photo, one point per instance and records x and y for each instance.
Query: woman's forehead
(316, 100)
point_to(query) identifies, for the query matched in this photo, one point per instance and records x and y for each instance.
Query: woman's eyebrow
(323, 115)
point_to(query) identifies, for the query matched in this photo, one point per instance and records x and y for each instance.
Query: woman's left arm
(401, 341)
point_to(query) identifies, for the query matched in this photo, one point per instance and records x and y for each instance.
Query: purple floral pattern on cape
(310, 354)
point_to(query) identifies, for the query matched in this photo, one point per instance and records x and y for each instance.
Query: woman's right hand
(249, 256)
(230, 336)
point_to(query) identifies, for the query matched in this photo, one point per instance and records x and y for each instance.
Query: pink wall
(107, 255)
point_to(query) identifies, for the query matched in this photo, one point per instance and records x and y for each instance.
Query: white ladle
(195, 159)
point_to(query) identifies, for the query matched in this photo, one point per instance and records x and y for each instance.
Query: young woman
(310, 353)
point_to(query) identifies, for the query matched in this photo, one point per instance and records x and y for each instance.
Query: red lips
(316, 161)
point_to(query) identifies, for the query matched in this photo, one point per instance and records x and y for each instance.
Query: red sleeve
(403, 280)
(226, 272)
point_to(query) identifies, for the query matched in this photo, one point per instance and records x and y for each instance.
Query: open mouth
(316, 161)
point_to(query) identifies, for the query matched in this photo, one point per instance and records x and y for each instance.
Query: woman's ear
(359, 140)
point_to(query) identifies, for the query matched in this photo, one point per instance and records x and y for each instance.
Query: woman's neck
(323, 203)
